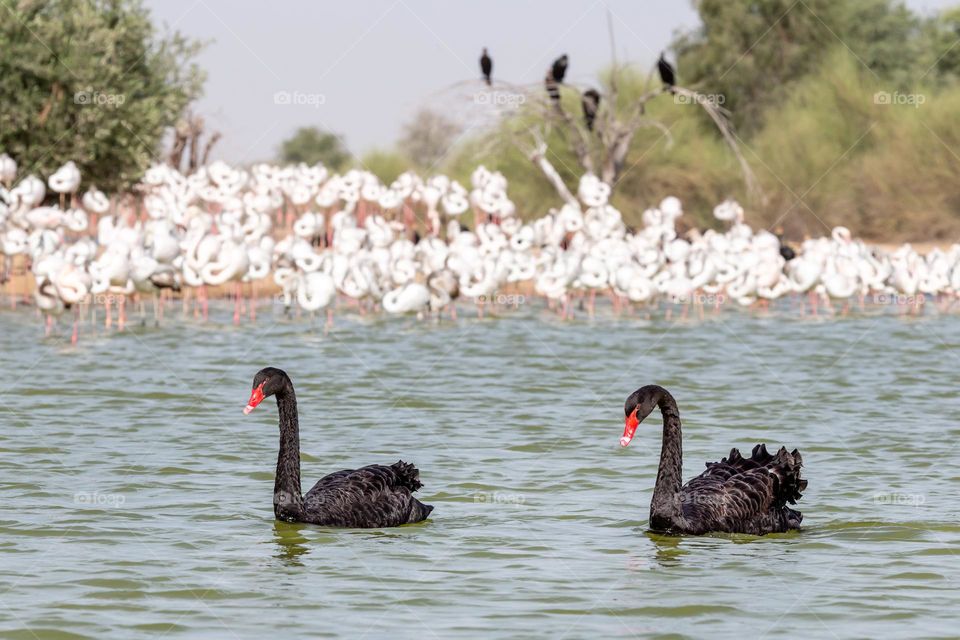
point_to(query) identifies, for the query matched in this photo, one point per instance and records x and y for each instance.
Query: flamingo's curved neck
(287, 500)
(665, 504)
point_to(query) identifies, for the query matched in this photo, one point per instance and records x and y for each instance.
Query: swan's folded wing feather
(331, 478)
(715, 503)
(748, 495)
(735, 463)
(374, 477)
(369, 496)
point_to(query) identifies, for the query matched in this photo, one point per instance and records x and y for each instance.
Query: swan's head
(266, 383)
(638, 406)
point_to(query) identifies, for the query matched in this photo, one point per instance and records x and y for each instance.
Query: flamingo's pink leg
(236, 303)
(76, 326)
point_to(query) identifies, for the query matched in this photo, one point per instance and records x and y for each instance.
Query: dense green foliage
(89, 81)
(311, 145)
(752, 50)
(386, 165)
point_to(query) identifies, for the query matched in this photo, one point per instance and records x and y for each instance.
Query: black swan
(735, 495)
(373, 496)
(667, 75)
(486, 66)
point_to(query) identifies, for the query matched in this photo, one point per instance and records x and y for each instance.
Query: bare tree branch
(604, 150)
(656, 124)
(580, 143)
(537, 153)
(719, 116)
(181, 134)
(211, 141)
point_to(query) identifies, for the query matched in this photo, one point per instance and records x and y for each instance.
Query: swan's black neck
(287, 501)
(665, 504)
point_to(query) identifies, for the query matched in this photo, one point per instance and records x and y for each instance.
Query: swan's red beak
(256, 397)
(629, 428)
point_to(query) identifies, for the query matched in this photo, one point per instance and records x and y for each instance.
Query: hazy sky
(361, 68)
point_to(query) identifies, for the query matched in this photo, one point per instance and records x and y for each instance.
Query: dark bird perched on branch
(559, 69)
(667, 74)
(590, 101)
(486, 66)
(552, 89)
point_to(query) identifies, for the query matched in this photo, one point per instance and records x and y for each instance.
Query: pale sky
(361, 68)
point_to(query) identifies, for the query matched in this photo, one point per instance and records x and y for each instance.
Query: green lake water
(137, 498)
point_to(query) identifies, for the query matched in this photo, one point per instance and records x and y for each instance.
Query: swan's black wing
(745, 495)
(372, 496)
(735, 463)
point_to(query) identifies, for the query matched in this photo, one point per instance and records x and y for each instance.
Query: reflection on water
(668, 549)
(137, 497)
(291, 543)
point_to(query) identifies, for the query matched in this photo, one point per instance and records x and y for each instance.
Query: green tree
(386, 165)
(90, 81)
(427, 138)
(943, 53)
(310, 145)
(751, 50)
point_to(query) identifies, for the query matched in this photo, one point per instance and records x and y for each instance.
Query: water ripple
(138, 497)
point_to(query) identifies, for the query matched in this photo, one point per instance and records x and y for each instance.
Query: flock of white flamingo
(328, 240)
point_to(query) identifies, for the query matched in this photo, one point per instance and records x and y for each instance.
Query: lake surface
(137, 498)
